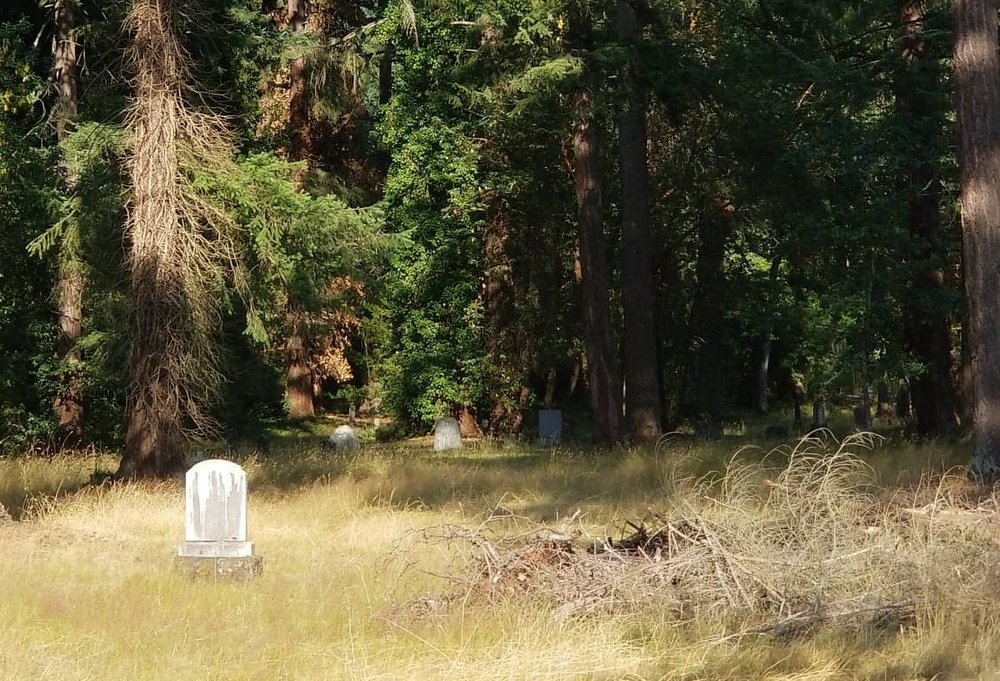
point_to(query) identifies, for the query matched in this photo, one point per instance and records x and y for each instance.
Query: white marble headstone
(343, 439)
(215, 511)
(447, 435)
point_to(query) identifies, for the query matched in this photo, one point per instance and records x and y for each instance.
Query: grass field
(835, 561)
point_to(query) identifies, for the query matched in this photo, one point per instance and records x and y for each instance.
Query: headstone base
(216, 549)
(243, 569)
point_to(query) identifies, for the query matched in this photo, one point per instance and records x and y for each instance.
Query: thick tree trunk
(926, 327)
(708, 314)
(385, 72)
(65, 54)
(977, 80)
(642, 372)
(605, 381)
(298, 14)
(299, 115)
(884, 408)
(506, 361)
(68, 402)
(298, 378)
(299, 392)
(159, 297)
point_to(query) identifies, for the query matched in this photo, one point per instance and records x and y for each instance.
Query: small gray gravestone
(344, 440)
(215, 522)
(447, 435)
(550, 424)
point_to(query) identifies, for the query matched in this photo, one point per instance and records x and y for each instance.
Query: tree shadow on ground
(29, 480)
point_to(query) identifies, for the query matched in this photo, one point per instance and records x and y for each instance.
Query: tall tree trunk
(708, 314)
(506, 358)
(159, 297)
(977, 80)
(764, 363)
(298, 373)
(385, 72)
(68, 402)
(605, 381)
(298, 376)
(926, 327)
(642, 371)
(299, 117)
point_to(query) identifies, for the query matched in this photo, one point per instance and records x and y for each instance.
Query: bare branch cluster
(182, 248)
(779, 551)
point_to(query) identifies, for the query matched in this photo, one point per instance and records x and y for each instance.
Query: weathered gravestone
(343, 439)
(447, 435)
(550, 423)
(215, 522)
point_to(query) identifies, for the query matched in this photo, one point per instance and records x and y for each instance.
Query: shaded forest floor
(811, 560)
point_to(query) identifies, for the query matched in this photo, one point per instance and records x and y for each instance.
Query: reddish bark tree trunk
(299, 389)
(642, 371)
(595, 281)
(501, 326)
(298, 378)
(68, 402)
(926, 328)
(977, 80)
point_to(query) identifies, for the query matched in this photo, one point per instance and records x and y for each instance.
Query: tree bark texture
(764, 362)
(68, 403)
(298, 14)
(642, 372)
(385, 72)
(299, 115)
(299, 392)
(927, 329)
(708, 313)
(977, 79)
(509, 364)
(159, 337)
(595, 281)
(298, 377)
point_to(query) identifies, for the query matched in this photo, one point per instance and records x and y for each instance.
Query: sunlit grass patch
(811, 562)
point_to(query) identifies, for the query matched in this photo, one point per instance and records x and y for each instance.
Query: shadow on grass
(542, 483)
(26, 480)
(547, 483)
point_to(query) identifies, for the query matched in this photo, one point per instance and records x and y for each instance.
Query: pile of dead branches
(783, 550)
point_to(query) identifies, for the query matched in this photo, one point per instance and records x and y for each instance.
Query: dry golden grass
(807, 552)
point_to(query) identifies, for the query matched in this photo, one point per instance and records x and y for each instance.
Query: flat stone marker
(447, 435)
(550, 424)
(215, 521)
(343, 439)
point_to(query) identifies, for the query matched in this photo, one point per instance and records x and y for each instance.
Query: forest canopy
(656, 214)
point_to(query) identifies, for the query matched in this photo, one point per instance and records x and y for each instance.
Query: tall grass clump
(803, 541)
